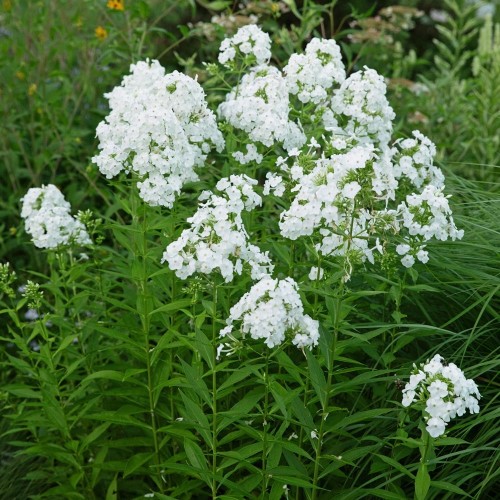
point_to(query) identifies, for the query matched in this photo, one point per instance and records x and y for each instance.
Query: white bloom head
(160, 128)
(442, 391)
(48, 220)
(259, 105)
(248, 42)
(312, 75)
(361, 104)
(272, 310)
(217, 239)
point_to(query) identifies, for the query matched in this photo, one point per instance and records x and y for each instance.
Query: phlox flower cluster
(426, 216)
(352, 198)
(325, 201)
(217, 238)
(252, 155)
(443, 391)
(259, 105)
(312, 75)
(413, 160)
(48, 220)
(360, 197)
(160, 128)
(359, 109)
(249, 40)
(272, 310)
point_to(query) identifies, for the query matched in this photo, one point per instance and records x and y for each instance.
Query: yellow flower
(101, 33)
(32, 89)
(7, 5)
(20, 75)
(116, 5)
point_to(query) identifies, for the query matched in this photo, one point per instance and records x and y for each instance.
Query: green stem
(145, 299)
(324, 413)
(214, 392)
(265, 427)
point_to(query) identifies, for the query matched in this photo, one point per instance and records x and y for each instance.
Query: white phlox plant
(359, 109)
(272, 311)
(217, 238)
(326, 202)
(413, 159)
(312, 76)
(160, 128)
(442, 391)
(249, 41)
(259, 105)
(252, 155)
(426, 216)
(48, 220)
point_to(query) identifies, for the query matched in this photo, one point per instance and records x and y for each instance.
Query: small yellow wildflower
(101, 33)
(116, 5)
(7, 5)
(20, 75)
(12, 231)
(32, 89)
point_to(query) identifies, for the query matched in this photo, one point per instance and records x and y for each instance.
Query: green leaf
(449, 441)
(22, 391)
(422, 482)
(65, 343)
(293, 8)
(195, 415)
(121, 416)
(90, 438)
(204, 347)
(360, 416)
(196, 383)
(241, 409)
(396, 465)
(173, 306)
(303, 415)
(445, 485)
(216, 4)
(136, 461)
(317, 378)
(195, 455)
(56, 416)
(111, 492)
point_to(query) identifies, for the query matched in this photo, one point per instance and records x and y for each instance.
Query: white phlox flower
(217, 239)
(413, 159)
(272, 311)
(425, 216)
(312, 75)
(274, 184)
(251, 155)
(316, 273)
(325, 201)
(160, 128)
(249, 40)
(360, 108)
(259, 105)
(48, 220)
(443, 391)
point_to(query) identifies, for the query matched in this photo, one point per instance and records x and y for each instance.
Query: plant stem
(214, 392)
(324, 413)
(265, 426)
(144, 299)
